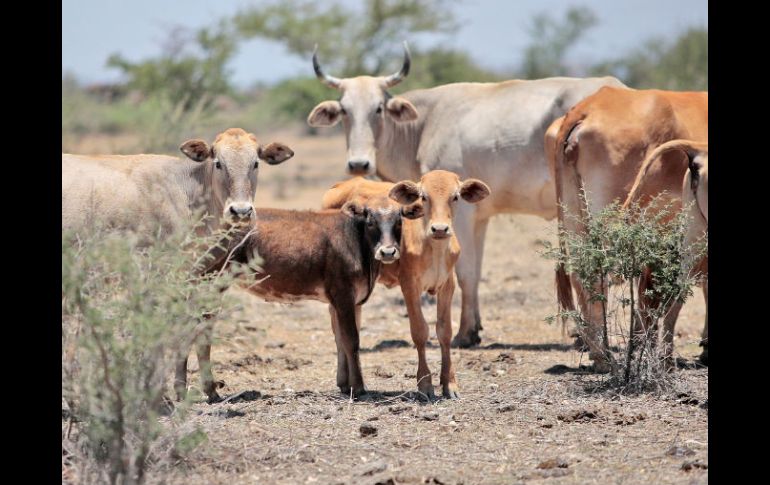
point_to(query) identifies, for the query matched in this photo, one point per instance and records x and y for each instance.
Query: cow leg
(646, 327)
(419, 329)
(203, 350)
(468, 274)
(345, 308)
(449, 385)
(669, 323)
(593, 332)
(704, 342)
(342, 360)
(180, 378)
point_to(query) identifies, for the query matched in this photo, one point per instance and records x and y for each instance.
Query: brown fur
(426, 264)
(320, 255)
(600, 145)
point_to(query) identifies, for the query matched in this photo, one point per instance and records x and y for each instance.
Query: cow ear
(401, 110)
(405, 192)
(412, 211)
(327, 113)
(196, 150)
(353, 209)
(275, 153)
(474, 190)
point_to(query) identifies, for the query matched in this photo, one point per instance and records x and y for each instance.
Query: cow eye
(424, 197)
(342, 111)
(256, 164)
(379, 109)
(455, 198)
(218, 164)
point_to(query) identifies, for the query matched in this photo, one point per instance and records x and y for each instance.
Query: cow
(159, 194)
(429, 252)
(695, 200)
(598, 147)
(332, 256)
(488, 131)
(148, 192)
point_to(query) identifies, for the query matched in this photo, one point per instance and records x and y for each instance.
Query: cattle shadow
(401, 344)
(544, 347)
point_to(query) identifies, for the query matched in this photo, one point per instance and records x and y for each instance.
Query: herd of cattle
(527, 147)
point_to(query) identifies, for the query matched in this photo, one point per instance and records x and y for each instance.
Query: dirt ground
(524, 413)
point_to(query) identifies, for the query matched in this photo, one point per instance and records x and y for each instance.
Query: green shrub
(615, 250)
(129, 311)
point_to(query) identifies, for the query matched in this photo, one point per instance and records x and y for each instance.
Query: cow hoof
(214, 398)
(427, 393)
(601, 366)
(450, 393)
(579, 344)
(704, 356)
(466, 341)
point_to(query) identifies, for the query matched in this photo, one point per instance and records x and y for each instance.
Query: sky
(494, 32)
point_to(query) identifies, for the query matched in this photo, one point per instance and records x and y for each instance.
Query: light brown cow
(598, 146)
(695, 198)
(429, 251)
(145, 193)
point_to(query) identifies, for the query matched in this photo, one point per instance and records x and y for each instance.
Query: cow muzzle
(440, 231)
(387, 254)
(240, 212)
(359, 167)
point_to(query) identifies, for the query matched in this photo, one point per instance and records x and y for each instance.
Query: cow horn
(396, 78)
(330, 81)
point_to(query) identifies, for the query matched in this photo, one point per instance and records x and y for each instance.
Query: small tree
(615, 251)
(552, 39)
(680, 65)
(128, 313)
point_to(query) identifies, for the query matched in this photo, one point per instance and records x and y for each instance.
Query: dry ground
(524, 413)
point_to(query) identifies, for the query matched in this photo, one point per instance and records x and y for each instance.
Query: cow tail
(563, 152)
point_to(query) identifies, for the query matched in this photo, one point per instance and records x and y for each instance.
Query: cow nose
(358, 166)
(439, 229)
(389, 252)
(241, 211)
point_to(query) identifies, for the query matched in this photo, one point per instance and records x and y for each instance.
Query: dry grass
(525, 413)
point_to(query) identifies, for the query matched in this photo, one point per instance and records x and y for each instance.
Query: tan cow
(429, 251)
(488, 131)
(694, 196)
(599, 146)
(145, 193)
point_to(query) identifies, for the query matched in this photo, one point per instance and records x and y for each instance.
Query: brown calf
(331, 256)
(429, 251)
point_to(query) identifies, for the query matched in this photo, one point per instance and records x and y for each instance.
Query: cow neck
(369, 265)
(398, 146)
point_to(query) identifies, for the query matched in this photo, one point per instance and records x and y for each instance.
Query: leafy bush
(129, 311)
(617, 249)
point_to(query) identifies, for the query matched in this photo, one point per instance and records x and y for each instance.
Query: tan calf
(429, 251)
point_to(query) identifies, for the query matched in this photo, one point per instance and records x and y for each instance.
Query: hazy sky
(493, 31)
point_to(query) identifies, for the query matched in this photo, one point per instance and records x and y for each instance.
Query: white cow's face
(363, 106)
(234, 159)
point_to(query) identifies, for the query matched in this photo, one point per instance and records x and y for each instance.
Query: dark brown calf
(332, 256)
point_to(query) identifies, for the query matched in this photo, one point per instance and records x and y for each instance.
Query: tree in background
(350, 43)
(679, 65)
(551, 39)
(188, 79)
